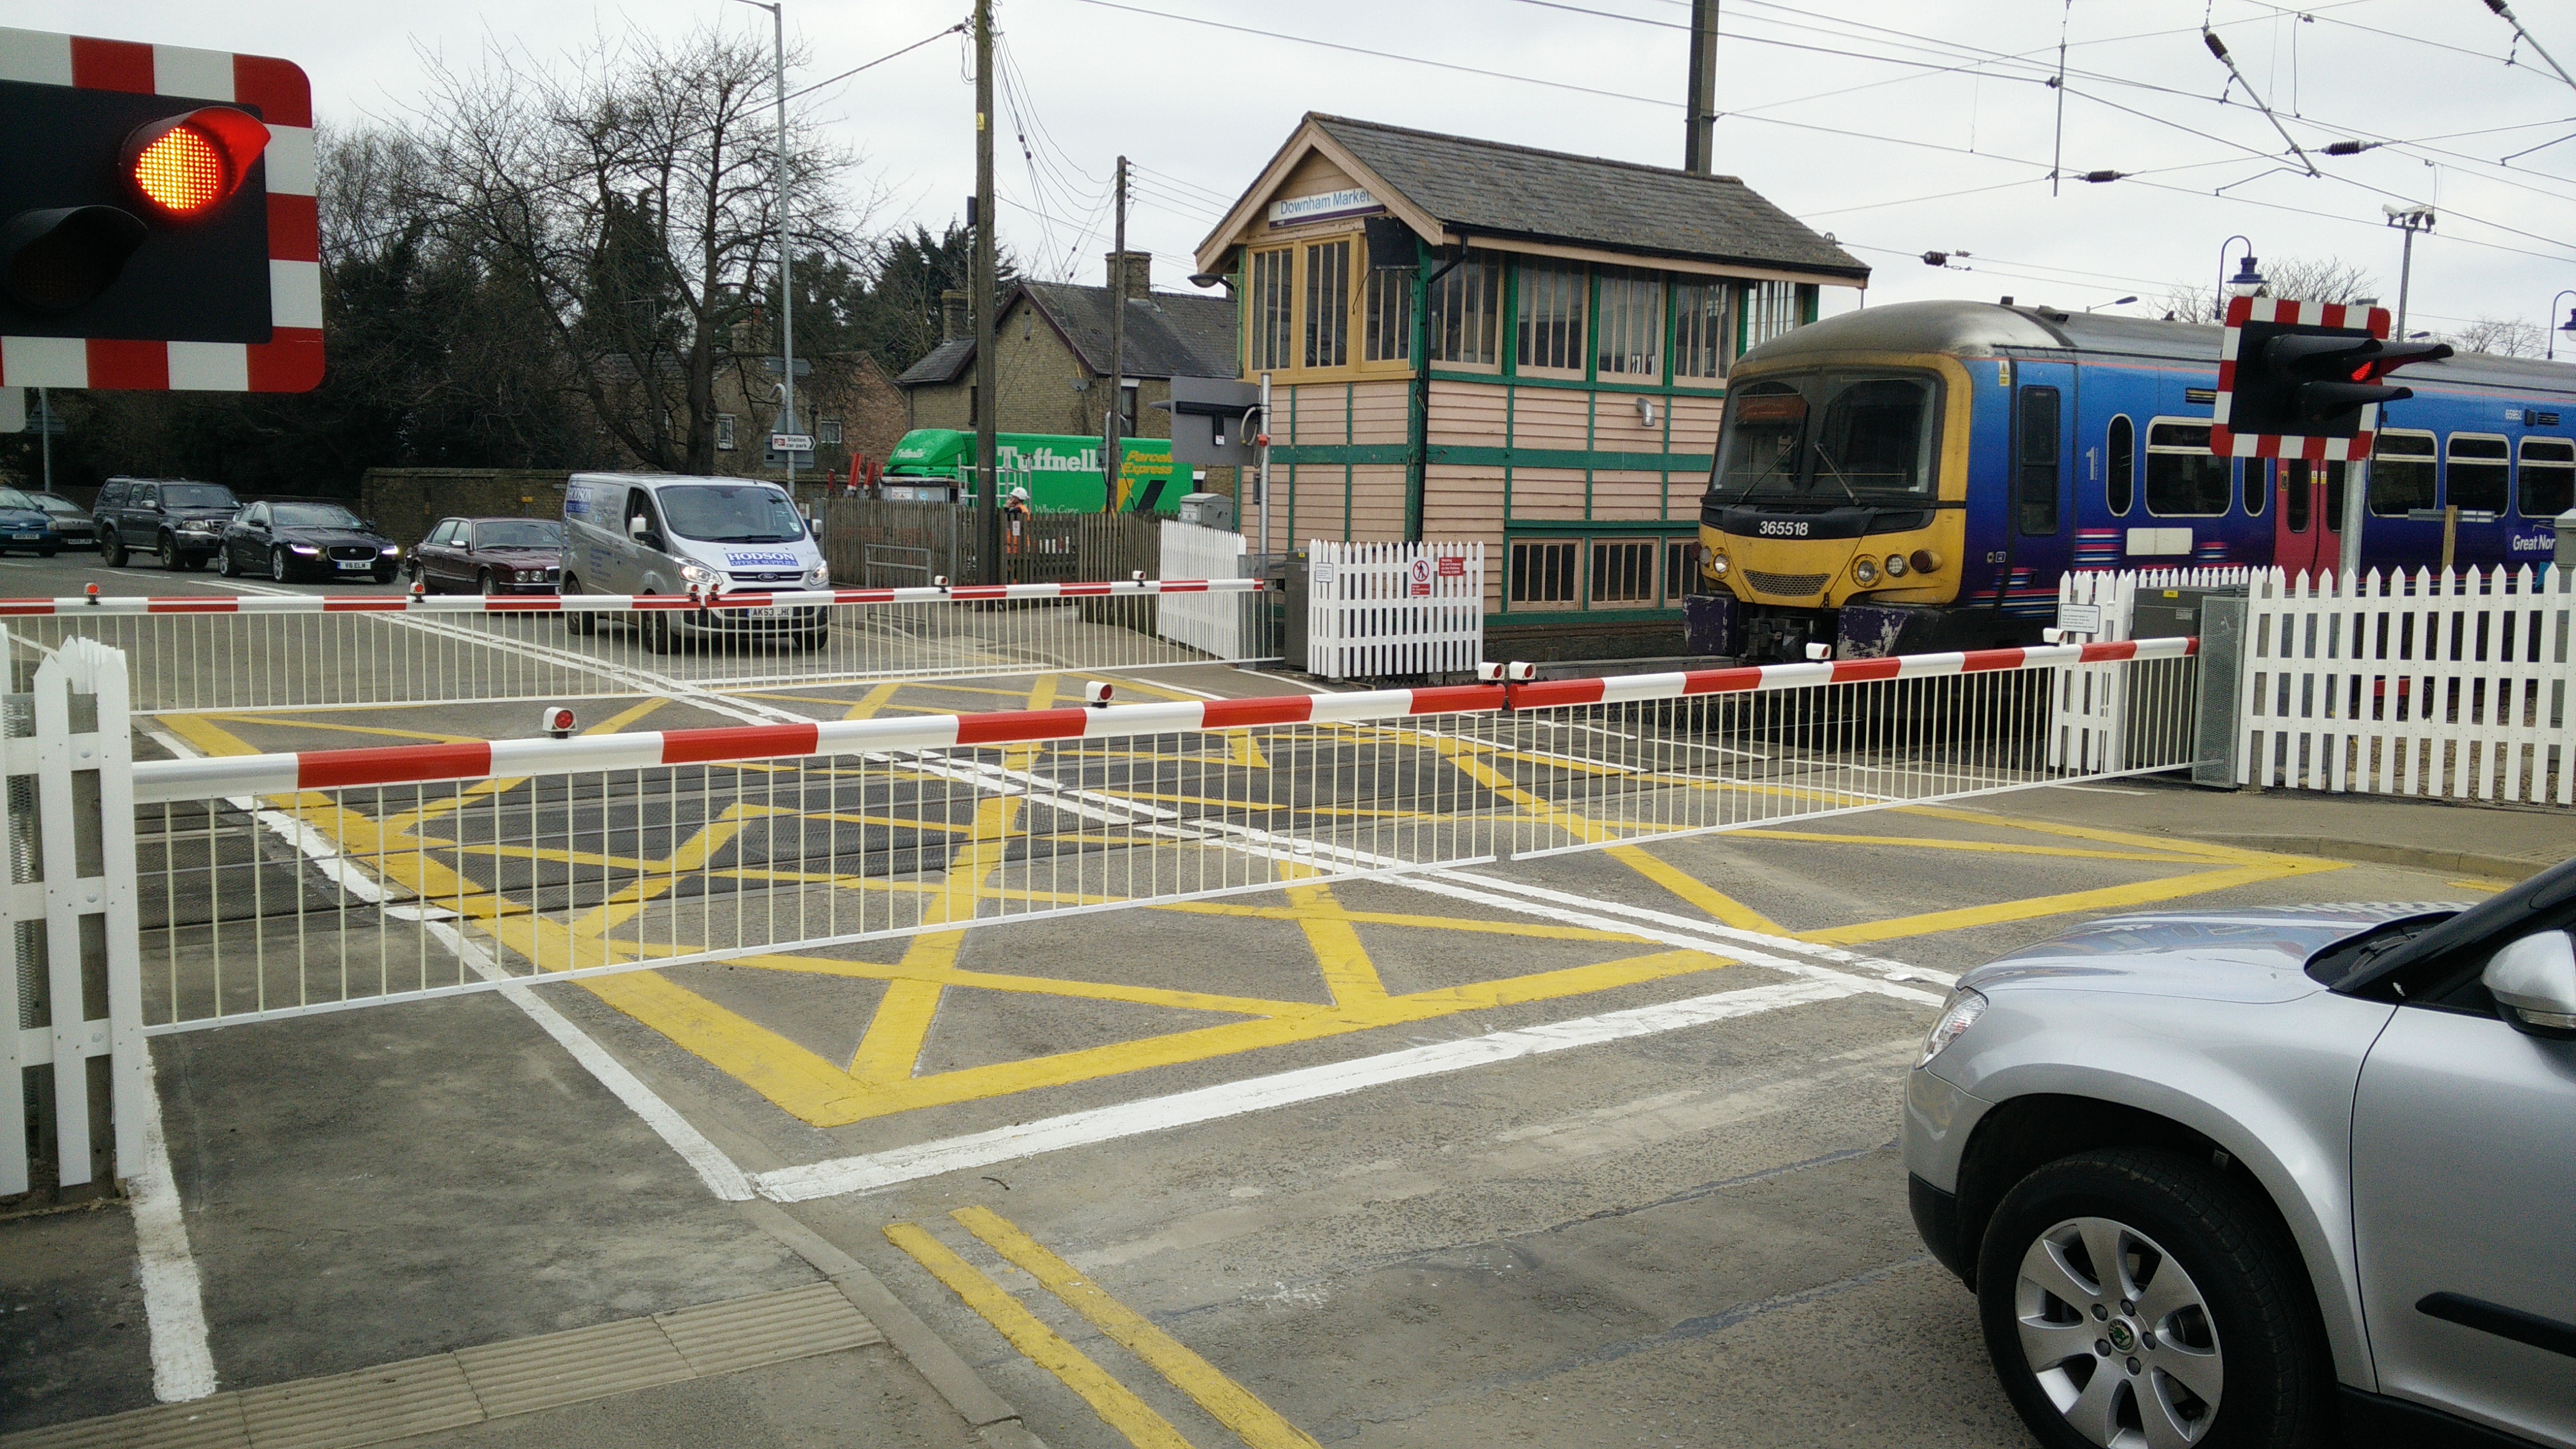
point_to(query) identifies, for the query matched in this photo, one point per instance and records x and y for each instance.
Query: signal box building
(1475, 341)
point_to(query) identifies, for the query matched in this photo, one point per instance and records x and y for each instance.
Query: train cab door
(2307, 521)
(2043, 473)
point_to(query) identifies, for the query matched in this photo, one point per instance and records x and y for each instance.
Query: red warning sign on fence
(1452, 567)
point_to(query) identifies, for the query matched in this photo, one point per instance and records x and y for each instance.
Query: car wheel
(658, 635)
(277, 564)
(169, 551)
(579, 621)
(484, 583)
(224, 560)
(112, 549)
(2139, 1297)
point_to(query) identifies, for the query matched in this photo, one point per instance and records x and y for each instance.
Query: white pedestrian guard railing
(2411, 684)
(272, 652)
(2095, 706)
(1384, 610)
(1216, 625)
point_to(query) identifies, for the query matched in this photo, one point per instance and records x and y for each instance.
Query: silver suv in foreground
(2278, 1176)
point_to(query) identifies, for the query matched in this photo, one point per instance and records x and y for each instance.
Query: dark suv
(178, 521)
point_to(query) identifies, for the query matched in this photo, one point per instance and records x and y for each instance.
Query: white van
(655, 533)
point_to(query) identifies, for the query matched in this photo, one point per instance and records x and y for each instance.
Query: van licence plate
(775, 611)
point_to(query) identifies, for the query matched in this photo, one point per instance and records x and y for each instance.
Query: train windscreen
(1833, 434)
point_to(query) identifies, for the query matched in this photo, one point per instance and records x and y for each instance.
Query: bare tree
(2499, 337)
(2323, 279)
(631, 197)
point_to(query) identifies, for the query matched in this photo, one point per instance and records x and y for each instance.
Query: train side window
(2184, 479)
(2477, 468)
(2401, 473)
(2295, 494)
(2119, 485)
(2548, 477)
(2036, 470)
(2258, 486)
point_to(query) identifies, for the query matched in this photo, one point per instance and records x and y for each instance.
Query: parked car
(489, 556)
(72, 523)
(649, 533)
(2274, 1176)
(24, 524)
(177, 520)
(301, 540)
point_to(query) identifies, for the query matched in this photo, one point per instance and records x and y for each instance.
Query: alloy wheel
(2118, 1336)
(277, 564)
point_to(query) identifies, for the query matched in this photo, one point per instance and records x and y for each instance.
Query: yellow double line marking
(1229, 1403)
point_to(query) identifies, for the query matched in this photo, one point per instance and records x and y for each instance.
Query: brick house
(1051, 341)
(847, 401)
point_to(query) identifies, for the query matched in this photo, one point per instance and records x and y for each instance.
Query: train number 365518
(1784, 528)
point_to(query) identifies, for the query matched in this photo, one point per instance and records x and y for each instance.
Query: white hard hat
(1021, 494)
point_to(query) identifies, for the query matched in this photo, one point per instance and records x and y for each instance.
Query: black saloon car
(304, 540)
(72, 523)
(490, 556)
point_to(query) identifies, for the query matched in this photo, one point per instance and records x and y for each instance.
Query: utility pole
(1699, 136)
(2410, 219)
(988, 474)
(786, 246)
(1115, 428)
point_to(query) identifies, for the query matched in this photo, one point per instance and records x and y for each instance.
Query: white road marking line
(1892, 970)
(719, 1172)
(2092, 789)
(174, 1308)
(875, 1171)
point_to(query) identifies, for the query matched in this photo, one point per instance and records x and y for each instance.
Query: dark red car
(490, 556)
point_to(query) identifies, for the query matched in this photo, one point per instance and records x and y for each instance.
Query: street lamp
(2122, 302)
(2568, 326)
(2410, 219)
(786, 276)
(2244, 272)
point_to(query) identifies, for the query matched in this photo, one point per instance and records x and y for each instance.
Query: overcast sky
(1899, 127)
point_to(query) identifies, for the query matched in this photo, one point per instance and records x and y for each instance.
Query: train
(1919, 477)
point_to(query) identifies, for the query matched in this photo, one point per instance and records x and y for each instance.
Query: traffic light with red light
(148, 236)
(2303, 379)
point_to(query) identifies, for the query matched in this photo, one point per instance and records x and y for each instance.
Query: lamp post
(2245, 283)
(786, 275)
(2568, 326)
(2409, 219)
(2121, 302)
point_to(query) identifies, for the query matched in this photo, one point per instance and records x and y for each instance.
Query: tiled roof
(1168, 333)
(940, 364)
(1518, 191)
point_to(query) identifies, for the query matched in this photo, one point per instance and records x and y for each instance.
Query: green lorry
(1062, 473)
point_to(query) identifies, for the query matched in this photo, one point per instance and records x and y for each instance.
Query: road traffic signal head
(157, 219)
(2303, 379)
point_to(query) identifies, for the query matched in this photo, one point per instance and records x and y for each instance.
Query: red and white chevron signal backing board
(291, 359)
(2267, 313)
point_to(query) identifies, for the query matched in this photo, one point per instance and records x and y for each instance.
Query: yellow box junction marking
(882, 1075)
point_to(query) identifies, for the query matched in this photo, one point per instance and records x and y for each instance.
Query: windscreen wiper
(1828, 460)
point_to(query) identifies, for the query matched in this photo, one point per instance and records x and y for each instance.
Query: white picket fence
(2095, 706)
(1215, 624)
(2444, 684)
(1380, 610)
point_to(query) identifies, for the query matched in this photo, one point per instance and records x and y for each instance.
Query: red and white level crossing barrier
(162, 781)
(78, 605)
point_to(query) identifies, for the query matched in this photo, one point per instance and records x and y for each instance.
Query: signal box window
(1771, 309)
(2120, 466)
(2183, 479)
(1628, 336)
(1386, 311)
(1551, 320)
(1274, 316)
(1466, 312)
(2477, 473)
(1543, 571)
(1681, 568)
(1703, 328)
(1328, 304)
(2035, 472)
(2548, 477)
(1623, 571)
(2401, 474)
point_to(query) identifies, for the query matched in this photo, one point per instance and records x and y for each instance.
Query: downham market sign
(1298, 210)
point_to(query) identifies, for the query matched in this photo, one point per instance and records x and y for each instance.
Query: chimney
(1132, 273)
(954, 320)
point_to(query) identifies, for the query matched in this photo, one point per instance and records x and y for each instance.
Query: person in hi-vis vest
(1015, 520)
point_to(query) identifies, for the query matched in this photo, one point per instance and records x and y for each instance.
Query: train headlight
(1865, 573)
(1717, 566)
(1896, 566)
(1925, 561)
